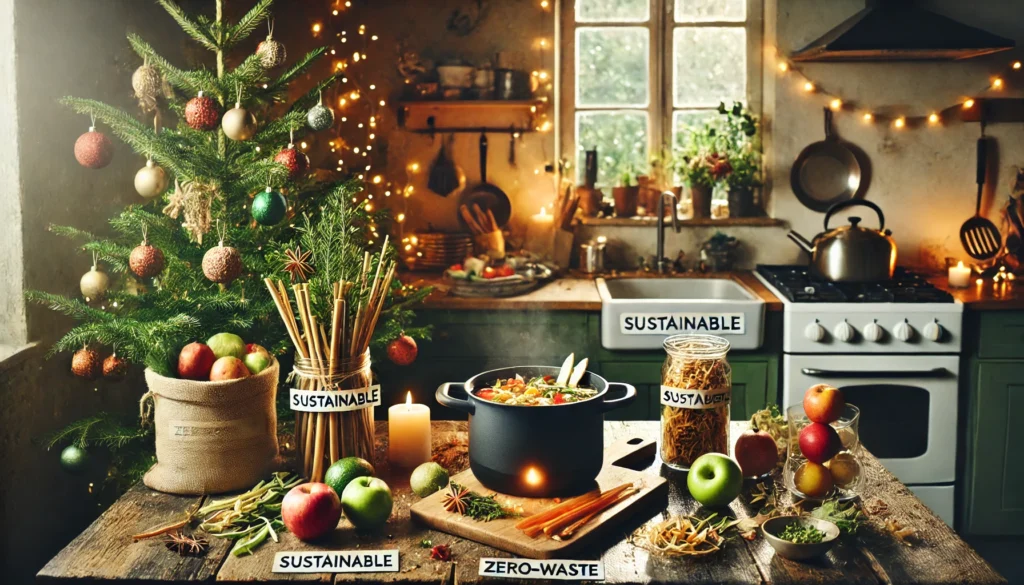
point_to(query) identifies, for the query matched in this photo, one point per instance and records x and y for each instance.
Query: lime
(345, 470)
(428, 478)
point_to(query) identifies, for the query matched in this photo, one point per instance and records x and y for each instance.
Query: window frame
(661, 64)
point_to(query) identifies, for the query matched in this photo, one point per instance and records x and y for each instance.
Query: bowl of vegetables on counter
(800, 538)
(477, 278)
(537, 431)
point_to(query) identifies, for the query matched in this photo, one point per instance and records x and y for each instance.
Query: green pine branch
(248, 23)
(313, 96)
(191, 81)
(74, 308)
(295, 70)
(200, 33)
(71, 232)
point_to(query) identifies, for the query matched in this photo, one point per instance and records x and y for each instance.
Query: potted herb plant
(739, 130)
(702, 163)
(626, 194)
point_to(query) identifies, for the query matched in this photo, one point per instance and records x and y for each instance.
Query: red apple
(819, 442)
(756, 453)
(195, 361)
(311, 510)
(823, 403)
(228, 368)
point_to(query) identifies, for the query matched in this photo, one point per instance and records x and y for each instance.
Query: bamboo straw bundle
(335, 359)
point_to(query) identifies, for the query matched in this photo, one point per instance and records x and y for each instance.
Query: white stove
(894, 350)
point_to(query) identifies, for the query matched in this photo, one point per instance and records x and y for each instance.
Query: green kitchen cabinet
(994, 496)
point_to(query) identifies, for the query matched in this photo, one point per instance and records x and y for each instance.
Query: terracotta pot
(590, 200)
(701, 196)
(626, 199)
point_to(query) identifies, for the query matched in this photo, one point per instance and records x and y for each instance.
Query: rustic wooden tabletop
(105, 552)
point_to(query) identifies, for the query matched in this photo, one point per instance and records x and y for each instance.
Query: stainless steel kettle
(851, 253)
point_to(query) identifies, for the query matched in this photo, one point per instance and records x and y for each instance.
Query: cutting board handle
(630, 452)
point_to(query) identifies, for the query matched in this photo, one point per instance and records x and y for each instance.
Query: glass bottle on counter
(696, 389)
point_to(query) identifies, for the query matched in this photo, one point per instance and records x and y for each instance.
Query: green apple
(344, 470)
(714, 480)
(227, 344)
(367, 502)
(257, 358)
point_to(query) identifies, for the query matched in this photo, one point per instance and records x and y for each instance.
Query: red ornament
(294, 160)
(114, 367)
(86, 364)
(403, 351)
(202, 113)
(146, 261)
(93, 149)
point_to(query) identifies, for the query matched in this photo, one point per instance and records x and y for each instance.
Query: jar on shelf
(844, 469)
(696, 389)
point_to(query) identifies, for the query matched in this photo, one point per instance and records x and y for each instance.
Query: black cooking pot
(537, 451)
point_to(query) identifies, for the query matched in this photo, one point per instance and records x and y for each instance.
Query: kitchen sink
(639, 313)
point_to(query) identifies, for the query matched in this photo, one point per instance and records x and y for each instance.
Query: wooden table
(104, 552)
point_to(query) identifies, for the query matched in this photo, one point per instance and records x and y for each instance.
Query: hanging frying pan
(486, 195)
(826, 172)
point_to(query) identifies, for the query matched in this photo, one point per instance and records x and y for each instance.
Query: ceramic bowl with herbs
(799, 538)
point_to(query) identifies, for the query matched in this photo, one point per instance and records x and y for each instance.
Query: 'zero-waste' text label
(342, 561)
(334, 400)
(562, 570)
(693, 398)
(672, 323)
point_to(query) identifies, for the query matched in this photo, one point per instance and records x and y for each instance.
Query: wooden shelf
(685, 222)
(469, 115)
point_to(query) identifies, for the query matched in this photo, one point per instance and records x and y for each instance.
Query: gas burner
(800, 285)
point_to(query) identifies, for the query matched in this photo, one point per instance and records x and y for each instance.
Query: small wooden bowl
(799, 552)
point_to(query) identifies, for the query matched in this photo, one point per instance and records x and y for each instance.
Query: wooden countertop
(575, 292)
(987, 296)
(104, 552)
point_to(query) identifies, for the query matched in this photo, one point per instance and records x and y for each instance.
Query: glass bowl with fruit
(823, 458)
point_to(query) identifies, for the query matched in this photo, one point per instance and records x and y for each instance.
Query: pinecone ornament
(269, 207)
(148, 85)
(86, 364)
(202, 113)
(294, 160)
(271, 53)
(222, 264)
(146, 261)
(114, 367)
(320, 117)
(93, 149)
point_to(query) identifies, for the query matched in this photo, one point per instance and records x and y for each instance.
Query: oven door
(908, 406)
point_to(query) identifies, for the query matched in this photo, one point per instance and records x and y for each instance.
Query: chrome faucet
(660, 261)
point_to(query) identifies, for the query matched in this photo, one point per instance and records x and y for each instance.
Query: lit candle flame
(408, 398)
(533, 477)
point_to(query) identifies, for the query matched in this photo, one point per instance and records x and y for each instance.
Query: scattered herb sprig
(801, 533)
(476, 506)
(249, 519)
(847, 517)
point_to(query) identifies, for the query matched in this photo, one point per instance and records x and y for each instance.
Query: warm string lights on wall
(889, 115)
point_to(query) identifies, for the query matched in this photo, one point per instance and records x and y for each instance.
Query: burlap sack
(212, 437)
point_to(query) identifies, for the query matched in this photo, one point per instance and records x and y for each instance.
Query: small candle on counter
(540, 234)
(408, 433)
(959, 276)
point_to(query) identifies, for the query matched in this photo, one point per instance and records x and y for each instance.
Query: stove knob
(844, 332)
(814, 332)
(873, 332)
(933, 331)
(903, 331)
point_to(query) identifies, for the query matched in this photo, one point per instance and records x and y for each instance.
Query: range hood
(900, 30)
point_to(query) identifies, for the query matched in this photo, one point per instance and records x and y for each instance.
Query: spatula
(979, 236)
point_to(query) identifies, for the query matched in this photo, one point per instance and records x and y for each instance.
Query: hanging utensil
(489, 197)
(512, 148)
(444, 175)
(979, 236)
(826, 172)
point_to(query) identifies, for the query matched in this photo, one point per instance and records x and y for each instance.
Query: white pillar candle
(959, 276)
(408, 433)
(540, 234)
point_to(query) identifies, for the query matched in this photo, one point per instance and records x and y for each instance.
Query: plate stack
(441, 250)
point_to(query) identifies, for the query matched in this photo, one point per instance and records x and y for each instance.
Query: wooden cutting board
(502, 534)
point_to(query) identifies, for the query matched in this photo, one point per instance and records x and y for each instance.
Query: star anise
(185, 544)
(456, 499)
(297, 264)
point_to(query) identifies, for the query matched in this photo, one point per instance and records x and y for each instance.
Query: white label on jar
(671, 323)
(334, 400)
(694, 398)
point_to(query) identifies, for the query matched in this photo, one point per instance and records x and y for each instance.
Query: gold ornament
(151, 180)
(94, 283)
(148, 85)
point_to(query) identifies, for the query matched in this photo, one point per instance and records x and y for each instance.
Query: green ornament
(320, 117)
(269, 207)
(74, 459)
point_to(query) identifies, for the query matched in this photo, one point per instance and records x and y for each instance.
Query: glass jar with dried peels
(696, 388)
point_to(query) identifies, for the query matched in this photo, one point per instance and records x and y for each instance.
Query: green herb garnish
(474, 505)
(801, 534)
(846, 516)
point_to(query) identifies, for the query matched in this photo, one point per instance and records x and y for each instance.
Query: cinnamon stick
(560, 523)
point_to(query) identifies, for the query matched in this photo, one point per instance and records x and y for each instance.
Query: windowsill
(12, 354)
(649, 221)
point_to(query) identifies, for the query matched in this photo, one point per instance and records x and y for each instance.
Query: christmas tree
(230, 201)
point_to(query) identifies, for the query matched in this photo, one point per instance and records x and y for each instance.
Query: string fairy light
(880, 113)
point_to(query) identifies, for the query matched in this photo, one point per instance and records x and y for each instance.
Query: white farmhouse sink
(639, 313)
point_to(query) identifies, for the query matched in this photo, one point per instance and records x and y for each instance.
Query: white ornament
(94, 283)
(151, 180)
(238, 123)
